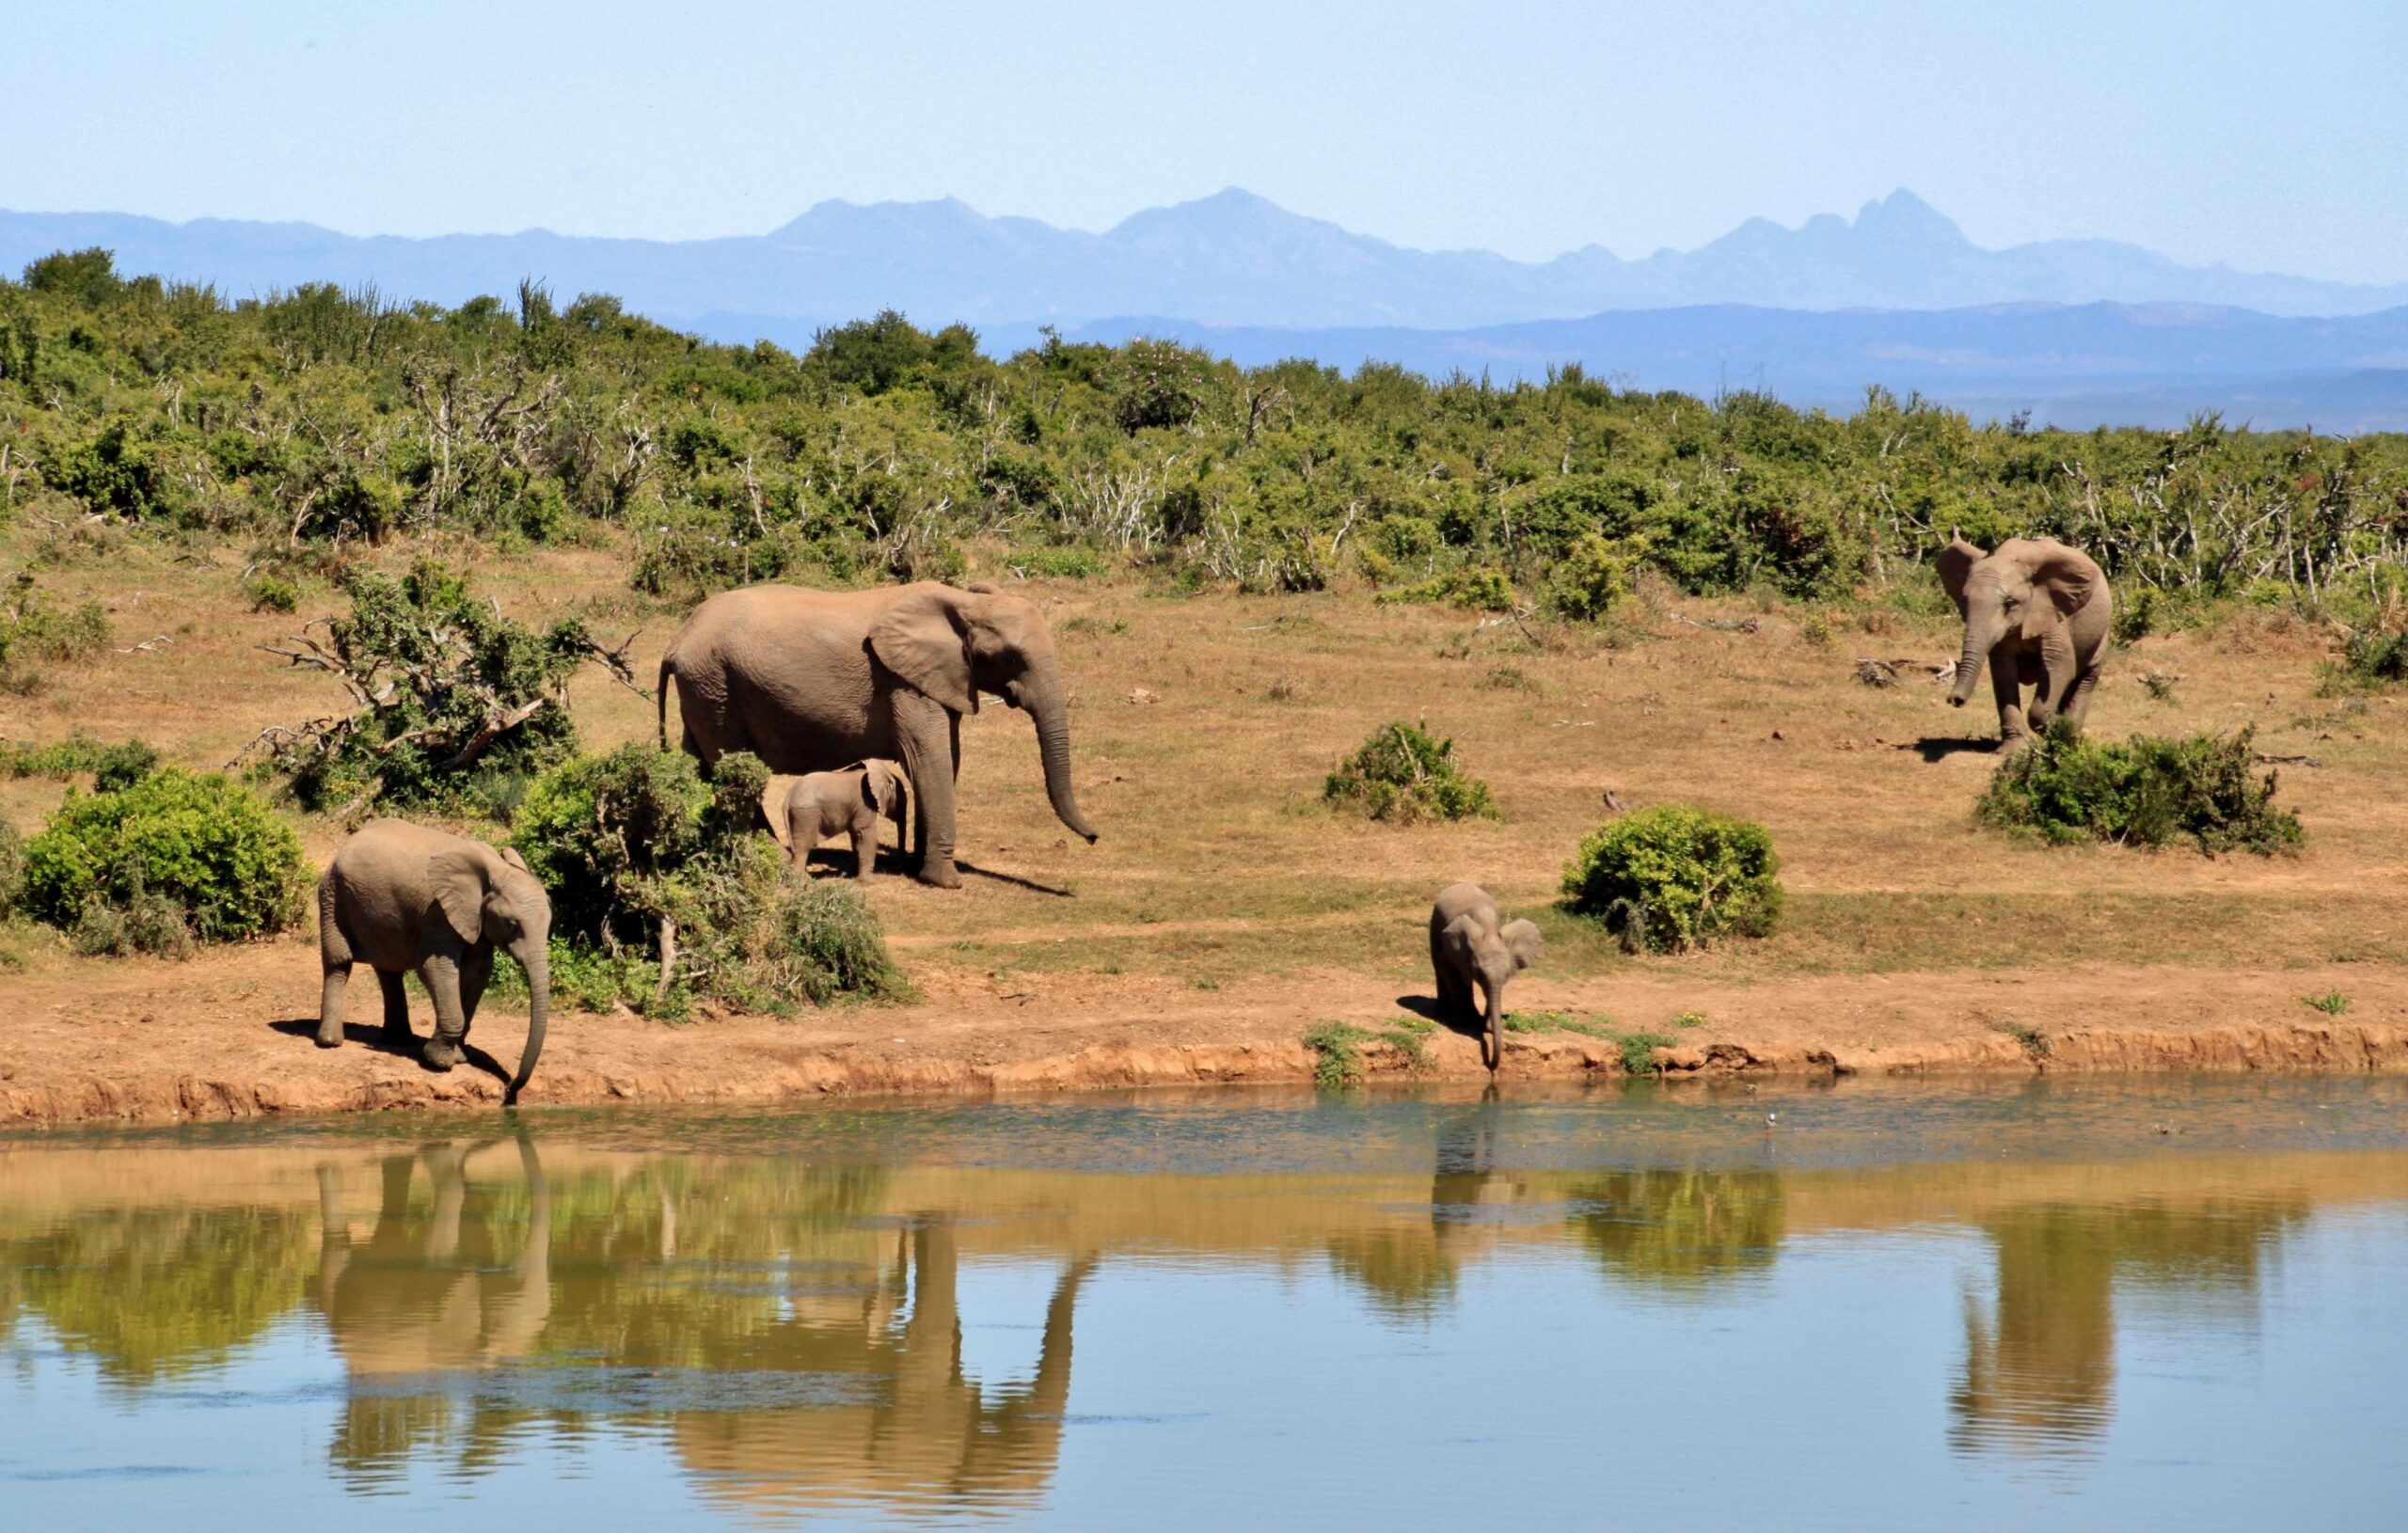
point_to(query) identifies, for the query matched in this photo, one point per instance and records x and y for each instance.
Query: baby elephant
(848, 801)
(401, 896)
(1471, 941)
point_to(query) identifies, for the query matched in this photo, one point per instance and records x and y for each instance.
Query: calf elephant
(849, 802)
(401, 897)
(2040, 613)
(1471, 942)
(810, 680)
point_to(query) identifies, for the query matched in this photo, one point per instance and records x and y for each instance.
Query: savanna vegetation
(440, 521)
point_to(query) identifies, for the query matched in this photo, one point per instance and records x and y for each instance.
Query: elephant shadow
(1431, 1008)
(835, 860)
(371, 1035)
(1935, 748)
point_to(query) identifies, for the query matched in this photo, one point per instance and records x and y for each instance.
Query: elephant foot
(329, 1037)
(442, 1053)
(940, 876)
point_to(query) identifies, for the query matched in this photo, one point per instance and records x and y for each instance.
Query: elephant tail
(661, 699)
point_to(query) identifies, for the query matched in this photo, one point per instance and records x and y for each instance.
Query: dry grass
(1217, 859)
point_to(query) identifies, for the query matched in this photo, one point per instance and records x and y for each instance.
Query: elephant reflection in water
(929, 1434)
(2039, 1371)
(421, 1295)
(1410, 1271)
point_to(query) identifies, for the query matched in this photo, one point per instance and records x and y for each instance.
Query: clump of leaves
(1689, 1018)
(442, 686)
(1639, 1050)
(1475, 589)
(34, 629)
(173, 859)
(1674, 876)
(13, 869)
(2035, 1043)
(1589, 580)
(2332, 1002)
(2143, 792)
(1338, 1049)
(113, 766)
(657, 875)
(1402, 774)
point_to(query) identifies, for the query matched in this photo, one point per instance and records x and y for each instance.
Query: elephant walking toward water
(813, 680)
(1471, 942)
(2038, 613)
(402, 897)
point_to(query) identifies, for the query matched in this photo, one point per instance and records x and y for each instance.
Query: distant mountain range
(2078, 331)
(1230, 259)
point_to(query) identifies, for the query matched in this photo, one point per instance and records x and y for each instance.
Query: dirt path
(226, 1036)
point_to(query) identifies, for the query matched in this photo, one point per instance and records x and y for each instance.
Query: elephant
(847, 802)
(1471, 941)
(2040, 613)
(401, 897)
(812, 680)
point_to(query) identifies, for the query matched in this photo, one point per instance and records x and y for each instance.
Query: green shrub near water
(1675, 877)
(1402, 774)
(2143, 792)
(627, 839)
(173, 857)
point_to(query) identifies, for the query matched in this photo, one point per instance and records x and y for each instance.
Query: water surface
(2087, 1304)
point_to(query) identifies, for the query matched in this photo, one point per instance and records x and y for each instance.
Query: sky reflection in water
(1975, 1306)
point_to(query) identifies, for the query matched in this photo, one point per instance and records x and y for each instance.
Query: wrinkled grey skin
(401, 897)
(849, 802)
(1471, 942)
(2038, 613)
(812, 680)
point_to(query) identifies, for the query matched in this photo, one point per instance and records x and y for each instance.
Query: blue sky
(2269, 136)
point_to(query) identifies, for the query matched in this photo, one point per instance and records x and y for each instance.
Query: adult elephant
(2040, 613)
(813, 680)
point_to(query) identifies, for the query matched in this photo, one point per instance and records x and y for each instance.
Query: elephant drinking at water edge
(813, 680)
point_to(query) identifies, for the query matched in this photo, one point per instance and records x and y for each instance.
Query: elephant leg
(2007, 689)
(921, 726)
(865, 845)
(2077, 707)
(476, 972)
(441, 973)
(330, 1005)
(397, 1007)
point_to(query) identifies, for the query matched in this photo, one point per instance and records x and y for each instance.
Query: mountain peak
(1902, 216)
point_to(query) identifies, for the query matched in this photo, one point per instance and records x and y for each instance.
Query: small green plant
(1402, 774)
(1554, 1022)
(2332, 1002)
(2374, 659)
(1506, 678)
(13, 869)
(34, 630)
(1337, 1049)
(2144, 792)
(2158, 685)
(2035, 1042)
(113, 766)
(1591, 579)
(1673, 876)
(1639, 1050)
(272, 591)
(2136, 616)
(1689, 1018)
(173, 857)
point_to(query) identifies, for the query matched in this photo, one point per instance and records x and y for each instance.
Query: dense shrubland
(2145, 791)
(314, 420)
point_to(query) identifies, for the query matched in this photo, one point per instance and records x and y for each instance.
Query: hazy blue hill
(1233, 258)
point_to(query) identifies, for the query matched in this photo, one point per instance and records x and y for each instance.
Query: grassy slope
(1217, 859)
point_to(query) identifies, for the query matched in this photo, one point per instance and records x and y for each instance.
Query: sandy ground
(227, 1035)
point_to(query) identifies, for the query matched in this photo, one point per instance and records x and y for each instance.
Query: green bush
(1402, 774)
(113, 766)
(113, 867)
(446, 689)
(1476, 589)
(1675, 877)
(2376, 658)
(1589, 580)
(636, 842)
(32, 629)
(272, 591)
(2144, 792)
(13, 869)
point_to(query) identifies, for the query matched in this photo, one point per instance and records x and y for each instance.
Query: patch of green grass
(2332, 1002)
(1556, 1021)
(1639, 1050)
(1339, 1049)
(2035, 1042)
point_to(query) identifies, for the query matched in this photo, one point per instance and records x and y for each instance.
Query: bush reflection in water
(792, 1329)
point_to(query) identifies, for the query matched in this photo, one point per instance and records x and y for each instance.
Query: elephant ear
(1522, 937)
(1955, 565)
(924, 639)
(510, 855)
(2068, 576)
(877, 785)
(461, 880)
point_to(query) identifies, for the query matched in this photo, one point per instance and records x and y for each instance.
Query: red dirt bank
(226, 1036)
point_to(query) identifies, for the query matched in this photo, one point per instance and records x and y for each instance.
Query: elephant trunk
(1492, 1037)
(534, 956)
(1980, 635)
(1053, 739)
